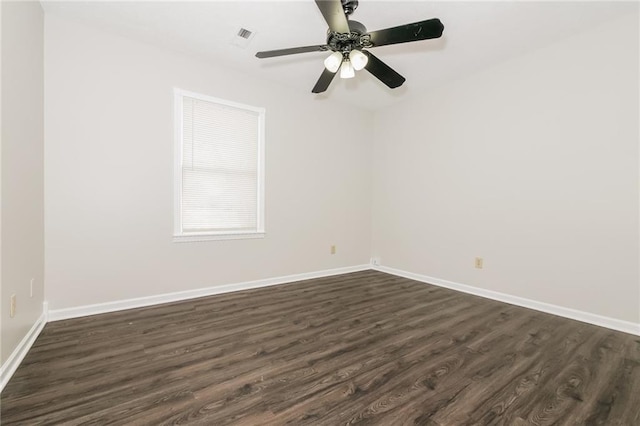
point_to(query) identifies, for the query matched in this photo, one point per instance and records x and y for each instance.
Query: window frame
(179, 235)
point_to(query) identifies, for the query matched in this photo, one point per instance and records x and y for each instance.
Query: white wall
(532, 165)
(108, 156)
(22, 170)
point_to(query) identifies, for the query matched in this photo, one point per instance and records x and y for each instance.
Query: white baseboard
(101, 308)
(599, 320)
(11, 364)
(16, 357)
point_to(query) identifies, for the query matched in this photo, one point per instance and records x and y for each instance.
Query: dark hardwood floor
(360, 348)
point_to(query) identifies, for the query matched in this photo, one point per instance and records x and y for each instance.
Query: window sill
(194, 238)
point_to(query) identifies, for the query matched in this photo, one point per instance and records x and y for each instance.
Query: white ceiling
(477, 35)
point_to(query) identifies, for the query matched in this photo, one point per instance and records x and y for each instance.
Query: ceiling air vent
(242, 38)
(244, 33)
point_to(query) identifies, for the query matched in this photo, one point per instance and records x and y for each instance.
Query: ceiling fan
(347, 39)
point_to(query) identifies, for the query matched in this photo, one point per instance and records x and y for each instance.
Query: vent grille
(244, 33)
(242, 38)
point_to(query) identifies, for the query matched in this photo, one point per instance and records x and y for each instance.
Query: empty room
(321, 212)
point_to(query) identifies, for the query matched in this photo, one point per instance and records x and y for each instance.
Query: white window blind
(220, 167)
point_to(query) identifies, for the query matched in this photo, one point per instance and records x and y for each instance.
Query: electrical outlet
(31, 287)
(333, 249)
(12, 309)
(375, 261)
(479, 262)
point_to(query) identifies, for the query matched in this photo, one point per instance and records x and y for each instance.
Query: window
(219, 169)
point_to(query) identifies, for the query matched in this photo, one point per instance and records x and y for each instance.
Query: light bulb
(346, 71)
(333, 61)
(358, 59)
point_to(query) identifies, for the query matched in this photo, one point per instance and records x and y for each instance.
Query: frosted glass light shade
(347, 71)
(358, 59)
(333, 61)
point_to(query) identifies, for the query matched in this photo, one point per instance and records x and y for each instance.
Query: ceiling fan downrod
(349, 6)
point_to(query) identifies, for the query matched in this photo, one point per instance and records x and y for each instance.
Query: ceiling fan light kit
(348, 39)
(333, 61)
(346, 70)
(358, 59)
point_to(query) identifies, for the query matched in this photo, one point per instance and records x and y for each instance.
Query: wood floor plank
(359, 348)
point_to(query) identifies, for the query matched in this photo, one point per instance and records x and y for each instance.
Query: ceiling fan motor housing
(346, 42)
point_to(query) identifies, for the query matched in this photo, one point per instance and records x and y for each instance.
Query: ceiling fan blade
(334, 15)
(323, 82)
(423, 30)
(292, 51)
(383, 72)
